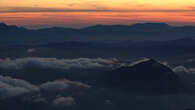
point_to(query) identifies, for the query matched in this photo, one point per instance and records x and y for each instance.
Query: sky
(81, 13)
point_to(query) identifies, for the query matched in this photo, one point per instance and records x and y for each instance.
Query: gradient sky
(79, 13)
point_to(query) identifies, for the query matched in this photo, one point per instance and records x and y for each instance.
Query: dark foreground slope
(148, 76)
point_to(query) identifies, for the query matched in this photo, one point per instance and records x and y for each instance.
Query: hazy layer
(82, 19)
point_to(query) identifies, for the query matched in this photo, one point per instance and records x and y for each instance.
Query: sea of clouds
(78, 63)
(65, 93)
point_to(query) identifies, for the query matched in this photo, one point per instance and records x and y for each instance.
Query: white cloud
(191, 60)
(31, 50)
(139, 61)
(180, 69)
(64, 102)
(183, 69)
(10, 87)
(192, 70)
(63, 85)
(165, 64)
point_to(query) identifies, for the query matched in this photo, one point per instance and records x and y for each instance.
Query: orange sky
(22, 5)
(79, 13)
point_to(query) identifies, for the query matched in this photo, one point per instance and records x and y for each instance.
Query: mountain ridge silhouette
(99, 33)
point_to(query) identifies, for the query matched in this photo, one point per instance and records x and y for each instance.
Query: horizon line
(35, 10)
(187, 25)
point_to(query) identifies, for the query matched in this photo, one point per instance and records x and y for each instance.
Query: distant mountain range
(183, 48)
(98, 33)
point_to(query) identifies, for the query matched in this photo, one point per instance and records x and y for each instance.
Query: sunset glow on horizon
(74, 13)
(98, 4)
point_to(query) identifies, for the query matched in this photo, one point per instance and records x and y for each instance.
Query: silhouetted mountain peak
(148, 75)
(148, 62)
(152, 25)
(3, 25)
(148, 67)
(151, 63)
(107, 27)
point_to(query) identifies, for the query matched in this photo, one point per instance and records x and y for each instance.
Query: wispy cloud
(95, 9)
(38, 9)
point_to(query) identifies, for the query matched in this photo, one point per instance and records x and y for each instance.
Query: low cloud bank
(54, 63)
(79, 63)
